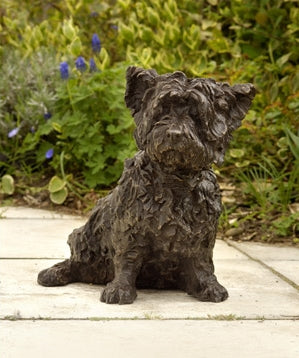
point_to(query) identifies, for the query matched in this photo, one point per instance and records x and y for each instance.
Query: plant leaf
(293, 142)
(56, 184)
(8, 186)
(236, 153)
(59, 196)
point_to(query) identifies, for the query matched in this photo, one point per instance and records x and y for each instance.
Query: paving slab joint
(226, 318)
(277, 273)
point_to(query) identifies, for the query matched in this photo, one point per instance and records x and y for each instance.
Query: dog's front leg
(201, 282)
(122, 289)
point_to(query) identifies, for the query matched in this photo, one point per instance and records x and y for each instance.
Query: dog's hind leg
(76, 269)
(98, 272)
(201, 282)
(64, 272)
(57, 275)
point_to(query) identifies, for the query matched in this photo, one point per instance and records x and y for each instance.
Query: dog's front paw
(213, 292)
(116, 292)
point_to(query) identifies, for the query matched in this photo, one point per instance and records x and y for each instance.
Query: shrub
(81, 114)
(80, 122)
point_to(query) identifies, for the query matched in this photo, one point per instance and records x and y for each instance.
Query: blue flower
(13, 132)
(64, 70)
(49, 153)
(47, 115)
(114, 27)
(92, 65)
(96, 43)
(80, 64)
(94, 14)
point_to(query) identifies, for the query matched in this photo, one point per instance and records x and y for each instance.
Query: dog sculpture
(157, 228)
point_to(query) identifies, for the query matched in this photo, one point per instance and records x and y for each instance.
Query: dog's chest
(190, 205)
(169, 211)
(184, 211)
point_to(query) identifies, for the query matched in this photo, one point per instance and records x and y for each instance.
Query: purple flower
(114, 27)
(64, 70)
(47, 115)
(49, 153)
(13, 132)
(80, 64)
(92, 65)
(32, 129)
(95, 43)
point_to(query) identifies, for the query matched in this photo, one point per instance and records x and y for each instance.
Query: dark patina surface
(157, 228)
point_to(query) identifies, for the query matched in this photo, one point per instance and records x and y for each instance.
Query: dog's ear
(138, 81)
(244, 95)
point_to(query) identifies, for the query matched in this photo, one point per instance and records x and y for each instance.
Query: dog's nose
(173, 133)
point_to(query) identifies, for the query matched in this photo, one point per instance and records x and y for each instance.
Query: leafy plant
(62, 85)
(83, 116)
(286, 225)
(273, 191)
(270, 188)
(92, 125)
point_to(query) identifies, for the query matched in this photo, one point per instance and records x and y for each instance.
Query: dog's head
(186, 124)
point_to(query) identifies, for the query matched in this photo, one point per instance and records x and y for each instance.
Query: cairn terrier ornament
(157, 228)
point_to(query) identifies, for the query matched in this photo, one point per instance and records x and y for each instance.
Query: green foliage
(56, 184)
(84, 117)
(236, 42)
(293, 143)
(233, 41)
(149, 31)
(7, 184)
(272, 190)
(58, 197)
(89, 129)
(286, 225)
(66, 26)
(27, 93)
(58, 190)
(92, 126)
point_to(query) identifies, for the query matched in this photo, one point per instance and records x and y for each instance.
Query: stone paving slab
(266, 252)
(147, 339)
(254, 293)
(44, 238)
(71, 321)
(47, 238)
(285, 260)
(20, 212)
(287, 268)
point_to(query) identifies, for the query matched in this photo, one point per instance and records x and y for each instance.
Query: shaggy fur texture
(157, 228)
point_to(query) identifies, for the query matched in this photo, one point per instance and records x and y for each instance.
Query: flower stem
(70, 96)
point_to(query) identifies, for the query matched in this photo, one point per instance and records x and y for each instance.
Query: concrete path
(260, 318)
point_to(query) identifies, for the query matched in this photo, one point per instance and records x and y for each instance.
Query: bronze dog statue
(157, 228)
